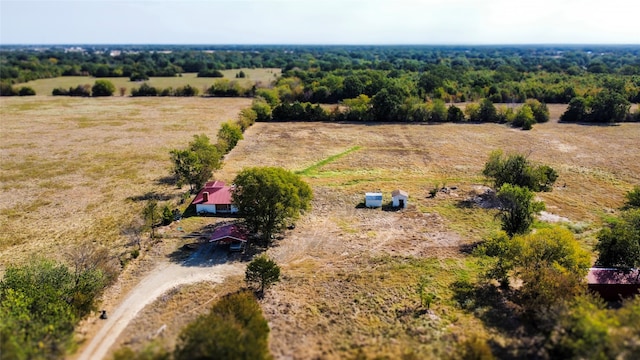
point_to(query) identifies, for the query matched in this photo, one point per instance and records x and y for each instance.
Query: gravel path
(203, 265)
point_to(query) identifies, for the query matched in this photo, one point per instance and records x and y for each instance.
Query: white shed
(399, 198)
(373, 199)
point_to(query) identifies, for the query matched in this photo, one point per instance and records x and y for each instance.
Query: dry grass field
(44, 87)
(72, 169)
(76, 170)
(351, 273)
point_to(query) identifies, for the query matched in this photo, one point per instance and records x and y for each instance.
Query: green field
(263, 76)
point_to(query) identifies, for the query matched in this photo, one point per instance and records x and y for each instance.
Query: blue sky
(320, 22)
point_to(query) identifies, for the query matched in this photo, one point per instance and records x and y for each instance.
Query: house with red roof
(614, 284)
(215, 198)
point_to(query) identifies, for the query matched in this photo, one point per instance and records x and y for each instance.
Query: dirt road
(203, 265)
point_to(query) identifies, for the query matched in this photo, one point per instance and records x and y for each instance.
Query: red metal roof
(229, 233)
(613, 276)
(218, 194)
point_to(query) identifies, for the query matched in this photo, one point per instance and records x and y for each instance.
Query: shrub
(144, 90)
(454, 114)
(103, 88)
(6, 89)
(60, 92)
(26, 91)
(633, 198)
(515, 169)
(234, 329)
(261, 273)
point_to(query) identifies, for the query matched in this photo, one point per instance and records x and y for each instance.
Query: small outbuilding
(614, 284)
(233, 235)
(215, 198)
(373, 199)
(399, 198)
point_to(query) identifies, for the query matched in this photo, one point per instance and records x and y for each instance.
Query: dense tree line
(334, 73)
(511, 62)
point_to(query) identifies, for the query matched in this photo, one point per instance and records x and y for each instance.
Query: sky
(320, 22)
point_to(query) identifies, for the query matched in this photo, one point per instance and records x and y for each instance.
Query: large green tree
(577, 111)
(517, 208)
(609, 106)
(619, 244)
(488, 111)
(195, 165)
(269, 198)
(103, 88)
(234, 329)
(516, 169)
(545, 267)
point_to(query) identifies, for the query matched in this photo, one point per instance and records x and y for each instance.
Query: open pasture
(264, 76)
(351, 273)
(78, 169)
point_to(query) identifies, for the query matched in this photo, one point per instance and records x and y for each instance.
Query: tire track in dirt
(204, 265)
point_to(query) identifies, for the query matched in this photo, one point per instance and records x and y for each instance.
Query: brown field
(44, 87)
(72, 169)
(76, 169)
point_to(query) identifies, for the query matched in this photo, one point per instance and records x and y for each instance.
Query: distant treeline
(454, 73)
(371, 83)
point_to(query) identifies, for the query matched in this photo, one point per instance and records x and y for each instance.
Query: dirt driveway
(204, 265)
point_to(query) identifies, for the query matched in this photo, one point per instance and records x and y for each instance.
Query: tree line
(333, 73)
(25, 63)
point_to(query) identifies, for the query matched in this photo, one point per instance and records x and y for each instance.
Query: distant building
(399, 198)
(373, 199)
(215, 198)
(614, 284)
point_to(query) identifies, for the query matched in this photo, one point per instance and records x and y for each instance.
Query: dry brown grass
(349, 274)
(335, 299)
(70, 167)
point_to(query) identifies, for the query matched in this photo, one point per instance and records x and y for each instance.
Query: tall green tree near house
(548, 266)
(619, 243)
(195, 165)
(269, 198)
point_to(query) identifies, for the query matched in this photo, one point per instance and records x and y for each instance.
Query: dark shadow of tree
(152, 195)
(198, 251)
(493, 306)
(166, 180)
